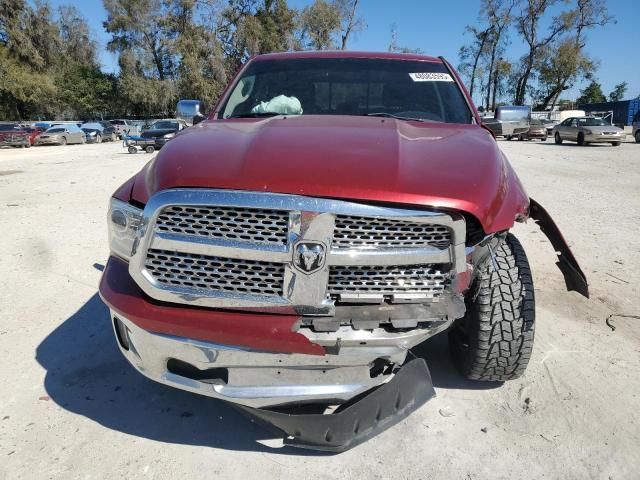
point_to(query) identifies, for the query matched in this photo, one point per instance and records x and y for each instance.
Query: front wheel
(615, 144)
(581, 141)
(63, 142)
(637, 137)
(98, 138)
(557, 138)
(132, 149)
(494, 340)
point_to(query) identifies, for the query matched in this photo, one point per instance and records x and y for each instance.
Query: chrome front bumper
(603, 138)
(261, 379)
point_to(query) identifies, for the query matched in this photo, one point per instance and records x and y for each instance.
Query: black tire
(494, 340)
(615, 144)
(638, 136)
(581, 141)
(149, 149)
(132, 149)
(98, 138)
(557, 139)
(63, 142)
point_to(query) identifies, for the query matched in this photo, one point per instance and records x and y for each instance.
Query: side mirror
(190, 110)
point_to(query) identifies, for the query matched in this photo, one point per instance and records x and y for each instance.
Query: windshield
(592, 122)
(117, 122)
(536, 122)
(8, 126)
(164, 124)
(55, 130)
(95, 126)
(348, 86)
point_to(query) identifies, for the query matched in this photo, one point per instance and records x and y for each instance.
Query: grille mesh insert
(227, 223)
(362, 232)
(387, 280)
(216, 274)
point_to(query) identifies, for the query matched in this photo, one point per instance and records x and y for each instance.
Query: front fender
(574, 278)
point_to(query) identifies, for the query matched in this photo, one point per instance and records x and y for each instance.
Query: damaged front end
(316, 309)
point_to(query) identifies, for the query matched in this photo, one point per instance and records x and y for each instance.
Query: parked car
(585, 130)
(549, 124)
(509, 121)
(18, 135)
(163, 130)
(61, 135)
(335, 210)
(537, 129)
(93, 135)
(104, 131)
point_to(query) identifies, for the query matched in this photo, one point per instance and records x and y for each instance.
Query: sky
(437, 28)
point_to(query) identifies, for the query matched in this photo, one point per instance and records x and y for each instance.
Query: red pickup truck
(333, 211)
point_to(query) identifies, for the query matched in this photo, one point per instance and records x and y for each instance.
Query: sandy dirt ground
(72, 407)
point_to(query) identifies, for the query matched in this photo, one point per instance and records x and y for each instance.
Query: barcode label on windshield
(431, 77)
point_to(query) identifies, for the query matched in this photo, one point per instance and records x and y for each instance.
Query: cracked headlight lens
(124, 221)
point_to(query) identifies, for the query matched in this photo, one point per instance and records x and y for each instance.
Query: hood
(346, 157)
(157, 132)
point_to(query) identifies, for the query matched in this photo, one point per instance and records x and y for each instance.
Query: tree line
(554, 36)
(166, 49)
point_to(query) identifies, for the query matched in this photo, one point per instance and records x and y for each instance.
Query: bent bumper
(255, 360)
(375, 412)
(257, 378)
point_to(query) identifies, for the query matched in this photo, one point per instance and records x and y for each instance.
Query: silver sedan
(584, 130)
(61, 135)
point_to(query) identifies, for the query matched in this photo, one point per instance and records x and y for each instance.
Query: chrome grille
(214, 273)
(425, 280)
(362, 232)
(251, 250)
(228, 223)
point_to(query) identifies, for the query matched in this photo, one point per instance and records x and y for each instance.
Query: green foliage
(167, 49)
(592, 93)
(618, 92)
(321, 23)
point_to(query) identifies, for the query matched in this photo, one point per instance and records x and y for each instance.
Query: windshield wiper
(391, 115)
(255, 115)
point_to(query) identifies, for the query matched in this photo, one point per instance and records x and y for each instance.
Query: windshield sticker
(431, 77)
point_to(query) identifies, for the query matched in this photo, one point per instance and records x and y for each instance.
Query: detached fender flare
(574, 278)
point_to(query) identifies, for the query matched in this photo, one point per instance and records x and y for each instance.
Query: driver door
(566, 128)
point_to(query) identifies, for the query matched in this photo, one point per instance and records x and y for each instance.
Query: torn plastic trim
(574, 277)
(371, 414)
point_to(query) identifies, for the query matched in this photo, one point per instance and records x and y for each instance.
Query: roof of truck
(347, 54)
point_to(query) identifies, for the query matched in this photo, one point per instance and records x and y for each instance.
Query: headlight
(169, 135)
(92, 134)
(124, 221)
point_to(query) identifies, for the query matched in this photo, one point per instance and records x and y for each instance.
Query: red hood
(359, 158)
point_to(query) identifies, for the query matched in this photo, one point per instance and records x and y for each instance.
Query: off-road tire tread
(500, 318)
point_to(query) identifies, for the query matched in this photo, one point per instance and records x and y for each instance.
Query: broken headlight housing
(124, 222)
